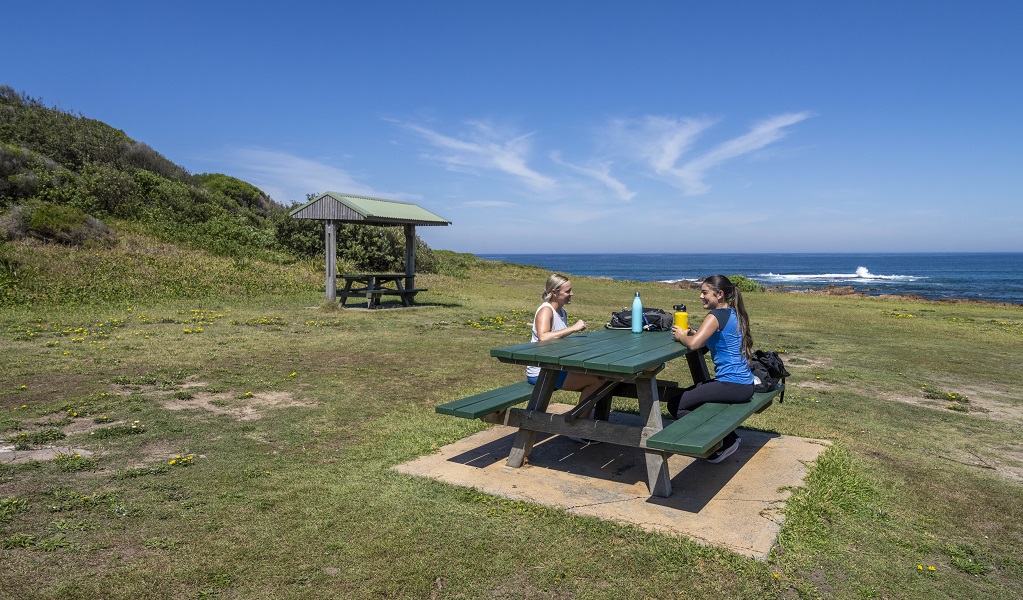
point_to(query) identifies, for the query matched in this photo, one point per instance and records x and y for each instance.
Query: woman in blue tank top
(725, 332)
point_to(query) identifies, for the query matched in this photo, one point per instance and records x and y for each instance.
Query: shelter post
(330, 236)
(410, 256)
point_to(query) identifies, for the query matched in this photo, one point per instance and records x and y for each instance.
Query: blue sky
(574, 126)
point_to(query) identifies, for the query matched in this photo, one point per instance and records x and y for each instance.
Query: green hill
(71, 186)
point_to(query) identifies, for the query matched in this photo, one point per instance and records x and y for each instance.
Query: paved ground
(735, 504)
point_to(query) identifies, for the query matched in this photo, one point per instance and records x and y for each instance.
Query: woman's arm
(696, 339)
(543, 321)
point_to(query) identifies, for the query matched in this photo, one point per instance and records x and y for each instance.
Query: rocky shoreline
(847, 290)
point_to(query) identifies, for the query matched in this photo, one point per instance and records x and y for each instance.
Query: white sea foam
(694, 280)
(862, 274)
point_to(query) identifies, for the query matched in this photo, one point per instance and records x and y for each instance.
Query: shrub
(745, 284)
(136, 155)
(108, 190)
(241, 194)
(54, 223)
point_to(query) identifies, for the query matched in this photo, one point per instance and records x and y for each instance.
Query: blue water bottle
(637, 314)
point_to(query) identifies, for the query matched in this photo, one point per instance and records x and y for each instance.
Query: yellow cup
(682, 320)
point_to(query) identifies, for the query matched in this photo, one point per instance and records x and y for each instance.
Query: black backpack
(773, 362)
(654, 319)
(768, 371)
(762, 380)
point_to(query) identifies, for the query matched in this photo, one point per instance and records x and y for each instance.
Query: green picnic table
(373, 286)
(629, 363)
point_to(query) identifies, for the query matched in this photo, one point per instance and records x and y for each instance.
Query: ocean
(996, 277)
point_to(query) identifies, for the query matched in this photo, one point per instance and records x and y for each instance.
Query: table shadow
(694, 484)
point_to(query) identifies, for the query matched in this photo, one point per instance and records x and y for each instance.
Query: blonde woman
(550, 323)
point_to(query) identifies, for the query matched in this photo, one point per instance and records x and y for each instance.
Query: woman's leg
(710, 391)
(584, 384)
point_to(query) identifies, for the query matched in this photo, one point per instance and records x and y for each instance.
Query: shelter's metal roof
(370, 211)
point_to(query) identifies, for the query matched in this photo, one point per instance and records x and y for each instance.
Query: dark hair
(734, 299)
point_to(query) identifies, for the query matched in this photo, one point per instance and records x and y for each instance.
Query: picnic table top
(377, 275)
(607, 350)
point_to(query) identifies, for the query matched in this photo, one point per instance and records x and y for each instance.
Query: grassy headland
(191, 421)
(265, 424)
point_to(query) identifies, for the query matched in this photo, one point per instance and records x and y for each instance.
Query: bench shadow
(693, 487)
(694, 484)
(392, 305)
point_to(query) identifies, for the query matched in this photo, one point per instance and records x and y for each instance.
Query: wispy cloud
(485, 147)
(662, 143)
(691, 174)
(600, 172)
(288, 178)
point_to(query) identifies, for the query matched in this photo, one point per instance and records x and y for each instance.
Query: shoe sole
(726, 453)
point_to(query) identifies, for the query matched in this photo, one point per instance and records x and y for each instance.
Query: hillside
(68, 182)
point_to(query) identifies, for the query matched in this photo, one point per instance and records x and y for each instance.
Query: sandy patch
(156, 451)
(812, 384)
(247, 408)
(980, 405)
(796, 362)
(10, 456)
(1006, 463)
(78, 426)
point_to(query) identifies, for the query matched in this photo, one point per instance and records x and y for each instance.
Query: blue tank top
(725, 346)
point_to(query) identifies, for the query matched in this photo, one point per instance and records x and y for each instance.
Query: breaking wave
(862, 275)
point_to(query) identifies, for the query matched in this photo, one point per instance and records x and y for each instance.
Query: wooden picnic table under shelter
(333, 208)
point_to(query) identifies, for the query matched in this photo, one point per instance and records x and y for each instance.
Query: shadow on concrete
(736, 504)
(695, 483)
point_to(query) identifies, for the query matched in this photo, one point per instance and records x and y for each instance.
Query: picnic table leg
(540, 399)
(346, 293)
(658, 478)
(401, 293)
(698, 366)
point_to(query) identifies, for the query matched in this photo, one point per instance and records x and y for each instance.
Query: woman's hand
(578, 326)
(696, 339)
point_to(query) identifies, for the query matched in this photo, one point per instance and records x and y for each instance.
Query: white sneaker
(724, 453)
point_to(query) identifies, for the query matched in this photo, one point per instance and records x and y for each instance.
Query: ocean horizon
(984, 276)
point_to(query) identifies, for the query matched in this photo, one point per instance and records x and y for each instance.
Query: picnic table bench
(373, 286)
(491, 406)
(699, 432)
(629, 364)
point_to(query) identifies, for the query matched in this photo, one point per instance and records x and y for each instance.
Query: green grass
(266, 424)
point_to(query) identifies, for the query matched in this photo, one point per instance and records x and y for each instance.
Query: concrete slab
(735, 504)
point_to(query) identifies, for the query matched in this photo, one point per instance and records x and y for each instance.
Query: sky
(575, 125)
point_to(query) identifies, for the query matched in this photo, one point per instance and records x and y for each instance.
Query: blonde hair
(554, 283)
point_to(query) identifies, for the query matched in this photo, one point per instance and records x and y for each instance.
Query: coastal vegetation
(189, 419)
(74, 181)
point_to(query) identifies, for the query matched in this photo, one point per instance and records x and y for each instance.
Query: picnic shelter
(333, 208)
